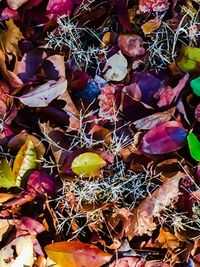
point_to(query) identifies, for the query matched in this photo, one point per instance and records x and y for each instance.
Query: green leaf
(189, 59)
(87, 164)
(7, 178)
(194, 146)
(195, 84)
(25, 160)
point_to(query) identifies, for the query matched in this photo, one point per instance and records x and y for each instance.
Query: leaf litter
(99, 133)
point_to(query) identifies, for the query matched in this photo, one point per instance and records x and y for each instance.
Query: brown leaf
(142, 220)
(151, 26)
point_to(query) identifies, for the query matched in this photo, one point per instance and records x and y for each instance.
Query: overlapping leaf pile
(99, 133)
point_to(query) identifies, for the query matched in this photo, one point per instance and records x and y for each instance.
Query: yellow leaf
(7, 179)
(188, 59)
(151, 26)
(76, 254)
(9, 38)
(168, 240)
(25, 160)
(87, 164)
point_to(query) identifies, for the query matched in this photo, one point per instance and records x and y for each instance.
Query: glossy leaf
(87, 164)
(195, 84)
(7, 178)
(42, 95)
(188, 59)
(25, 160)
(164, 138)
(194, 146)
(9, 38)
(76, 254)
(115, 68)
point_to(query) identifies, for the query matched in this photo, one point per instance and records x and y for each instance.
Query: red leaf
(164, 138)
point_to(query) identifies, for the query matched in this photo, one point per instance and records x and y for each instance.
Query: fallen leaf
(87, 164)
(195, 84)
(194, 146)
(76, 254)
(128, 262)
(18, 253)
(153, 5)
(25, 160)
(151, 121)
(164, 138)
(9, 38)
(143, 219)
(7, 178)
(197, 113)
(15, 4)
(57, 8)
(151, 25)
(131, 45)
(115, 68)
(42, 95)
(4, 226)
(168, 240)
(188, 59)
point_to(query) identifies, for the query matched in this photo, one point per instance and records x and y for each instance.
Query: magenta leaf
(164, 138)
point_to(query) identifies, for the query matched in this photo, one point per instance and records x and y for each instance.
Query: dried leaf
(115, 68)
(25, 160)
(168, 240)
(87, 164)
(131, 45)
(76, 254)
(151, 25)
(9, 38)
(143, 219)
(18, 253)
(7, 178)
(155, 5)
(149, 122)
(164, 138)
(194, 146)
(42, 95)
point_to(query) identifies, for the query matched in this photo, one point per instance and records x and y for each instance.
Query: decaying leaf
(42, 95)
(18, 253)
(143, 219)
(76, 254)
(131, 45)
(25, 160)
(9, 38)
(87, 164)
(115, 68)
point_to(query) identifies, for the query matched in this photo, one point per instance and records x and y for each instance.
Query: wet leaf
(115, 68)
(188, 59)
(25, 160)
(7, 178)
(164, 138)
(18, 253)
(42, 95)
(195, 84)
(194, 146)
(9, 38)
(87, 164)
(76, 254)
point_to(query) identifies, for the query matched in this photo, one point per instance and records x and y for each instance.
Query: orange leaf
(151, 26)
(76, 254)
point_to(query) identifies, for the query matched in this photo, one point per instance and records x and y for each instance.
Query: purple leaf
(164, 138)
(39, 182)
(122, 13)
(57, 8)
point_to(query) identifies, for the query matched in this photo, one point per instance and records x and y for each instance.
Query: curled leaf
(115, 68)
(76, 254)
(25, 160)
(87, 164)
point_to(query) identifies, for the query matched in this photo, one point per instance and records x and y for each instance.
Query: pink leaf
(57, 8)
(164, 138)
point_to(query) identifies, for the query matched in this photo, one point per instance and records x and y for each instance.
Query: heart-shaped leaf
(76, 254)
(87, 164)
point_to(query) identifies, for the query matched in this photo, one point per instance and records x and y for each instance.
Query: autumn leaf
(9, 38)
(131, 45)
(15, 4)
(151, 25)
(115, 68)
(25, 160)
(7, 178)
(42, 95)
(188, 59)
(76, 254)
(194, 146)
(87, 164)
